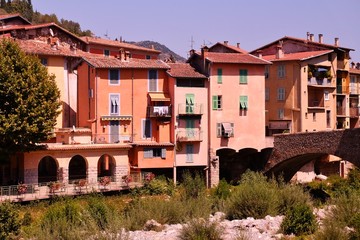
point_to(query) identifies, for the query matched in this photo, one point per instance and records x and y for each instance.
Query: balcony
(354, 89)
(193, 109)
(159, 111)
(189, 135)
(340, 110)
(340, 89)
(111, 138)
(319, 82)
(354, 112)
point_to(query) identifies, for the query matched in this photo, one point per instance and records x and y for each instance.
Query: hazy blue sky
(252, 23)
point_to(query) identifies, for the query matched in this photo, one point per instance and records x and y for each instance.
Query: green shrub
(192, 186)
(347, 206)
(254, 197)
(200, 229)
(27, 219)
(331, 231)
(9, 220)
(159, 185)
(290, 196)
(222, 190)
(353, 178)
(299, 220)
(99, 211)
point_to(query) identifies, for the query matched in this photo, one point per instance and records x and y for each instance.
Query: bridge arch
(77, 168)
(47, 169)
(106, 166)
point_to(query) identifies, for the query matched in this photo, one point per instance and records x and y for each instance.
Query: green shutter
(219, 73)
(215, 102)
(243, 76)
(244, 102)
(189, 103)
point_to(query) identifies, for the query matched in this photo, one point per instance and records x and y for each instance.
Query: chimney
(192, 51)
(311, 37)
(238, 45)
(321, 38)
(352, 65)
(152, 46)
(259, 53)
(336, 41)
(307, 35)
(127, 55)
(279, 51)
(122, 54)
(358, 65)
(226, 42)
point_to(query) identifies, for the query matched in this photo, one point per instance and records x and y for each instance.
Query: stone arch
(106, 166)
(47, 169)
(77, 168)
(226, 158)
(287, 168)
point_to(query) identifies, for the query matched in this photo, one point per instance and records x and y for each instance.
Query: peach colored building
(236, 99)
(354, 89)
(108, 47)
(126, 100)
(188, 90)
(307, 86)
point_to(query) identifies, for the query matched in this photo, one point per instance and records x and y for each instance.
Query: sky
(185, 24)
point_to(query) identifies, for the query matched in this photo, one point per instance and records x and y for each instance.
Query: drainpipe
(132, 105)
(209, 126)
(96, 100)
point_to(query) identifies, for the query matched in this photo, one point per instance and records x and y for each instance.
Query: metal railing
(111, 138)
(354, 112)
(189, 135)
(159, 111)
(190, 109)
(319, 82)
(29, 192)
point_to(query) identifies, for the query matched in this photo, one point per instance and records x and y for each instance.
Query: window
(219, 75)
(244, 102)
(114, 104)
(155, 153)
(146, 128)
(44, 61)
(106, 53)
(281, 113)
(326, 95)
(114, 76)
(243, 76)
(267, 94)
(189, 153)
(306, 117)
(328, 119)
(281, 94)
(225, 129)
(281, 71)
(314, 117)
(267, 70)
(190, 83)
(189, 103)
(216, 102)
(147, 57)
(153, 77)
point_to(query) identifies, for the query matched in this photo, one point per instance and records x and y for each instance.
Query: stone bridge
(292, 151)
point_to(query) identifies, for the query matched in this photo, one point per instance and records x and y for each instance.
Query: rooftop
(216, 57)
(301, 56)
(183, 70)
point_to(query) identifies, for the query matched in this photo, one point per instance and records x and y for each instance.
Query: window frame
(114, 97)
(281, 113)
(189, 153)
(144, 123)
(281, 71)
(243, 76)
(281, 93)
(114, 81)
(244, 102)
(219, 75)
(106, 52)
(217, 102)
(153, 79)
(326, 95)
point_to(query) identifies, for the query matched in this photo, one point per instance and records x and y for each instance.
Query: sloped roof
(99, 61)
(302, 41)
(301, 56)
(14, 15)
(216, 57)
(234, 48)
(113, 43)
(43, 48)
(354, 71)
(183, 70)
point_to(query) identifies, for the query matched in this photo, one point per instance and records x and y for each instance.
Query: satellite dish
(51, 32)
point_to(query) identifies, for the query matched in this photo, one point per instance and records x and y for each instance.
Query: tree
(29, 100)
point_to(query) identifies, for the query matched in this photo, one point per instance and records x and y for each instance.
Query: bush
(290, 196)
(9, 220)
(254, 197)
(201, 229)
(331, 231)
(299, 220)
(222, 190)
(159, 185)
(192, 186)
(99, 211)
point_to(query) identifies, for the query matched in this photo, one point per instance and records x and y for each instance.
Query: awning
(116, 118)
(227, 127)
(279, 125)
(159, 97)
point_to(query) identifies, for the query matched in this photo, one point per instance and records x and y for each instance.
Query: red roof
(113, 43)
(43, 48)
(216, 57)
(183, 70)
(234, 48)
(301, 56)
(7, 16)
(99, 61)
(354, 70)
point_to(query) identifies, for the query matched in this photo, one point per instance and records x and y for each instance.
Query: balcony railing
(354, 89)
(189, 135)
(315, 103)
(193, 109)
(111, 138)
(159, 111)
(319, 82)
(354, 112)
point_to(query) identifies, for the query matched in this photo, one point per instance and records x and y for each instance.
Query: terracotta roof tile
(354, 71)
(183, 70)
(113, 43)
(301, 56)
(42, 48)
(7, 16)
(234, 48)
(99, 61)
(61, 147)
(234, 58)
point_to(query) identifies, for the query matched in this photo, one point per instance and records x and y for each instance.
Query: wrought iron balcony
(190, 109)
(189, 135)
(354, 112)
(159, 111)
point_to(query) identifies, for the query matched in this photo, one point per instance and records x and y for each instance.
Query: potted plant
(22, 188)
(127, 179)
(104, 181)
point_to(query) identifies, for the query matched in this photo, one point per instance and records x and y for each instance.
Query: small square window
(44, 61)
(216, 102)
